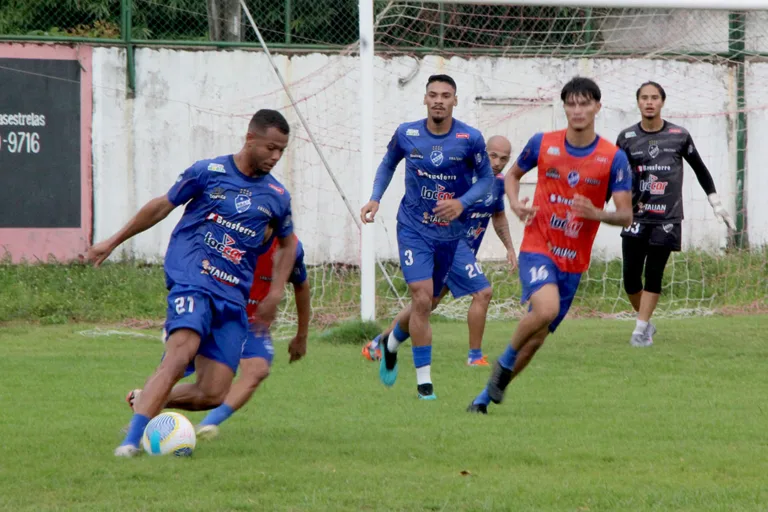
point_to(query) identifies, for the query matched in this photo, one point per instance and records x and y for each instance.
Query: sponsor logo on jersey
(416, 154)
(480, 215)
(216, 168)
(553, 150)
(653, 185)
(556, 199)
(277, 189)
(573, 178)
(653, 168)
(219, 275)
(245, 192)
(638, 153)
(242, 203)
(629, 135)
(264, 210)
(653, 149)
(217, 193)
(455, 159)
(434, 219)
(602, 160)
(569, 225)
(233, 226)
(436, 195)
(441, 177)
(667, 227)
(562, 252)
(411, 132)
(475, 233)
(436, 157)
(488, 199)
(226, 247)
(462, 135)
(675, 130)
(652, 208)
(594, 181)
(552, 174)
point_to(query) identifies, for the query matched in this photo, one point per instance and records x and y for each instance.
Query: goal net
(509, 63)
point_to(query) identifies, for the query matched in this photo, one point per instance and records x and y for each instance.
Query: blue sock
(507, 359)
(135, 430)
(483, 398)
(400, 335)
(218, 415)
(475, 354)
(422, 356)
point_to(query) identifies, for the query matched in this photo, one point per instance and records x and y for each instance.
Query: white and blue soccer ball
(169, 433)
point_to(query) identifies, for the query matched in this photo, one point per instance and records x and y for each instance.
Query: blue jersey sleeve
(529, 157)
(190, 184)
(483, 172)
(621, 173)
(499, 205)
(299, 273)
(387, 167)
(285, 219)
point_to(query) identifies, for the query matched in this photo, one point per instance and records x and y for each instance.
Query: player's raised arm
(704, 177)
(190, 184)
(383, 177)
(621, 190)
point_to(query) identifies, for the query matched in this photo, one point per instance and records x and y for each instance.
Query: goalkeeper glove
(720, 212)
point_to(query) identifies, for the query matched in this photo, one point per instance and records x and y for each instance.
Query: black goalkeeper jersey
(657, 161)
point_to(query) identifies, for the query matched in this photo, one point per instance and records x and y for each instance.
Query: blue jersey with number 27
(215, 245)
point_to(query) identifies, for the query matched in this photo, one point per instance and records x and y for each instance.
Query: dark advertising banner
(45, 151)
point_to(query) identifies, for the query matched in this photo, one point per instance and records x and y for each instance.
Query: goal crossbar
(730, 5)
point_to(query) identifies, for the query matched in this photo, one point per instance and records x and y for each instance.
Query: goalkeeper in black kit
(656, 149)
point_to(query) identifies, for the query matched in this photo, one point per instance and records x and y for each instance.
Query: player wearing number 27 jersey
(577, 171)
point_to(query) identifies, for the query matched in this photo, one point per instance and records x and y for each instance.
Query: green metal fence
(298, 23)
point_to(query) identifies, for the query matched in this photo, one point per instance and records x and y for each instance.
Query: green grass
(593, 425)
(55, 294)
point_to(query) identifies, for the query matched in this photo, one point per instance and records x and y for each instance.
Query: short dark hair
(581, 86)
(656, 85)
(442, 78)
(265, 119)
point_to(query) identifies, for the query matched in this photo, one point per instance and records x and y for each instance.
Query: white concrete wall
(196, 104)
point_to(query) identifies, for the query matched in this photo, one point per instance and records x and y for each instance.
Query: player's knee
(547, 312)
(421, 301)
(256, 375)
(483, 297)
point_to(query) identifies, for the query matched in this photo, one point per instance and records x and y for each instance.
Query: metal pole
(288, 20)
(127, 21)
(736, 47)
(367, 98)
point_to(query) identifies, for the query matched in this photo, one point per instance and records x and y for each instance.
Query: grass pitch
(592, 425)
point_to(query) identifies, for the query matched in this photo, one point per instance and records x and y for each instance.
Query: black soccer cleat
(477, 408)
(389, 358)
(498, 382)
(426, 391)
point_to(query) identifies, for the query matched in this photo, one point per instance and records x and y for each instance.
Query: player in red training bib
(578, 171)
(257, 351)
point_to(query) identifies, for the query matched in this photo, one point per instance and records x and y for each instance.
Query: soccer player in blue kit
(466, 276)
(231, 202)
(442, 155)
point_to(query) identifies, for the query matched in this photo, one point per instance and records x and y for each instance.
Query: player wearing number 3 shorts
(577, 172)
(446, 172)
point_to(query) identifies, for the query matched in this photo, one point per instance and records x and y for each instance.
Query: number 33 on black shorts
(665, 235)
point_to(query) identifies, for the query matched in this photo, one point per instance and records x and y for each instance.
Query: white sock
(640, 327)
(423, 375)
(392, 343)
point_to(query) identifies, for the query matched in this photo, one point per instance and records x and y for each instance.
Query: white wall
(196, 104)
